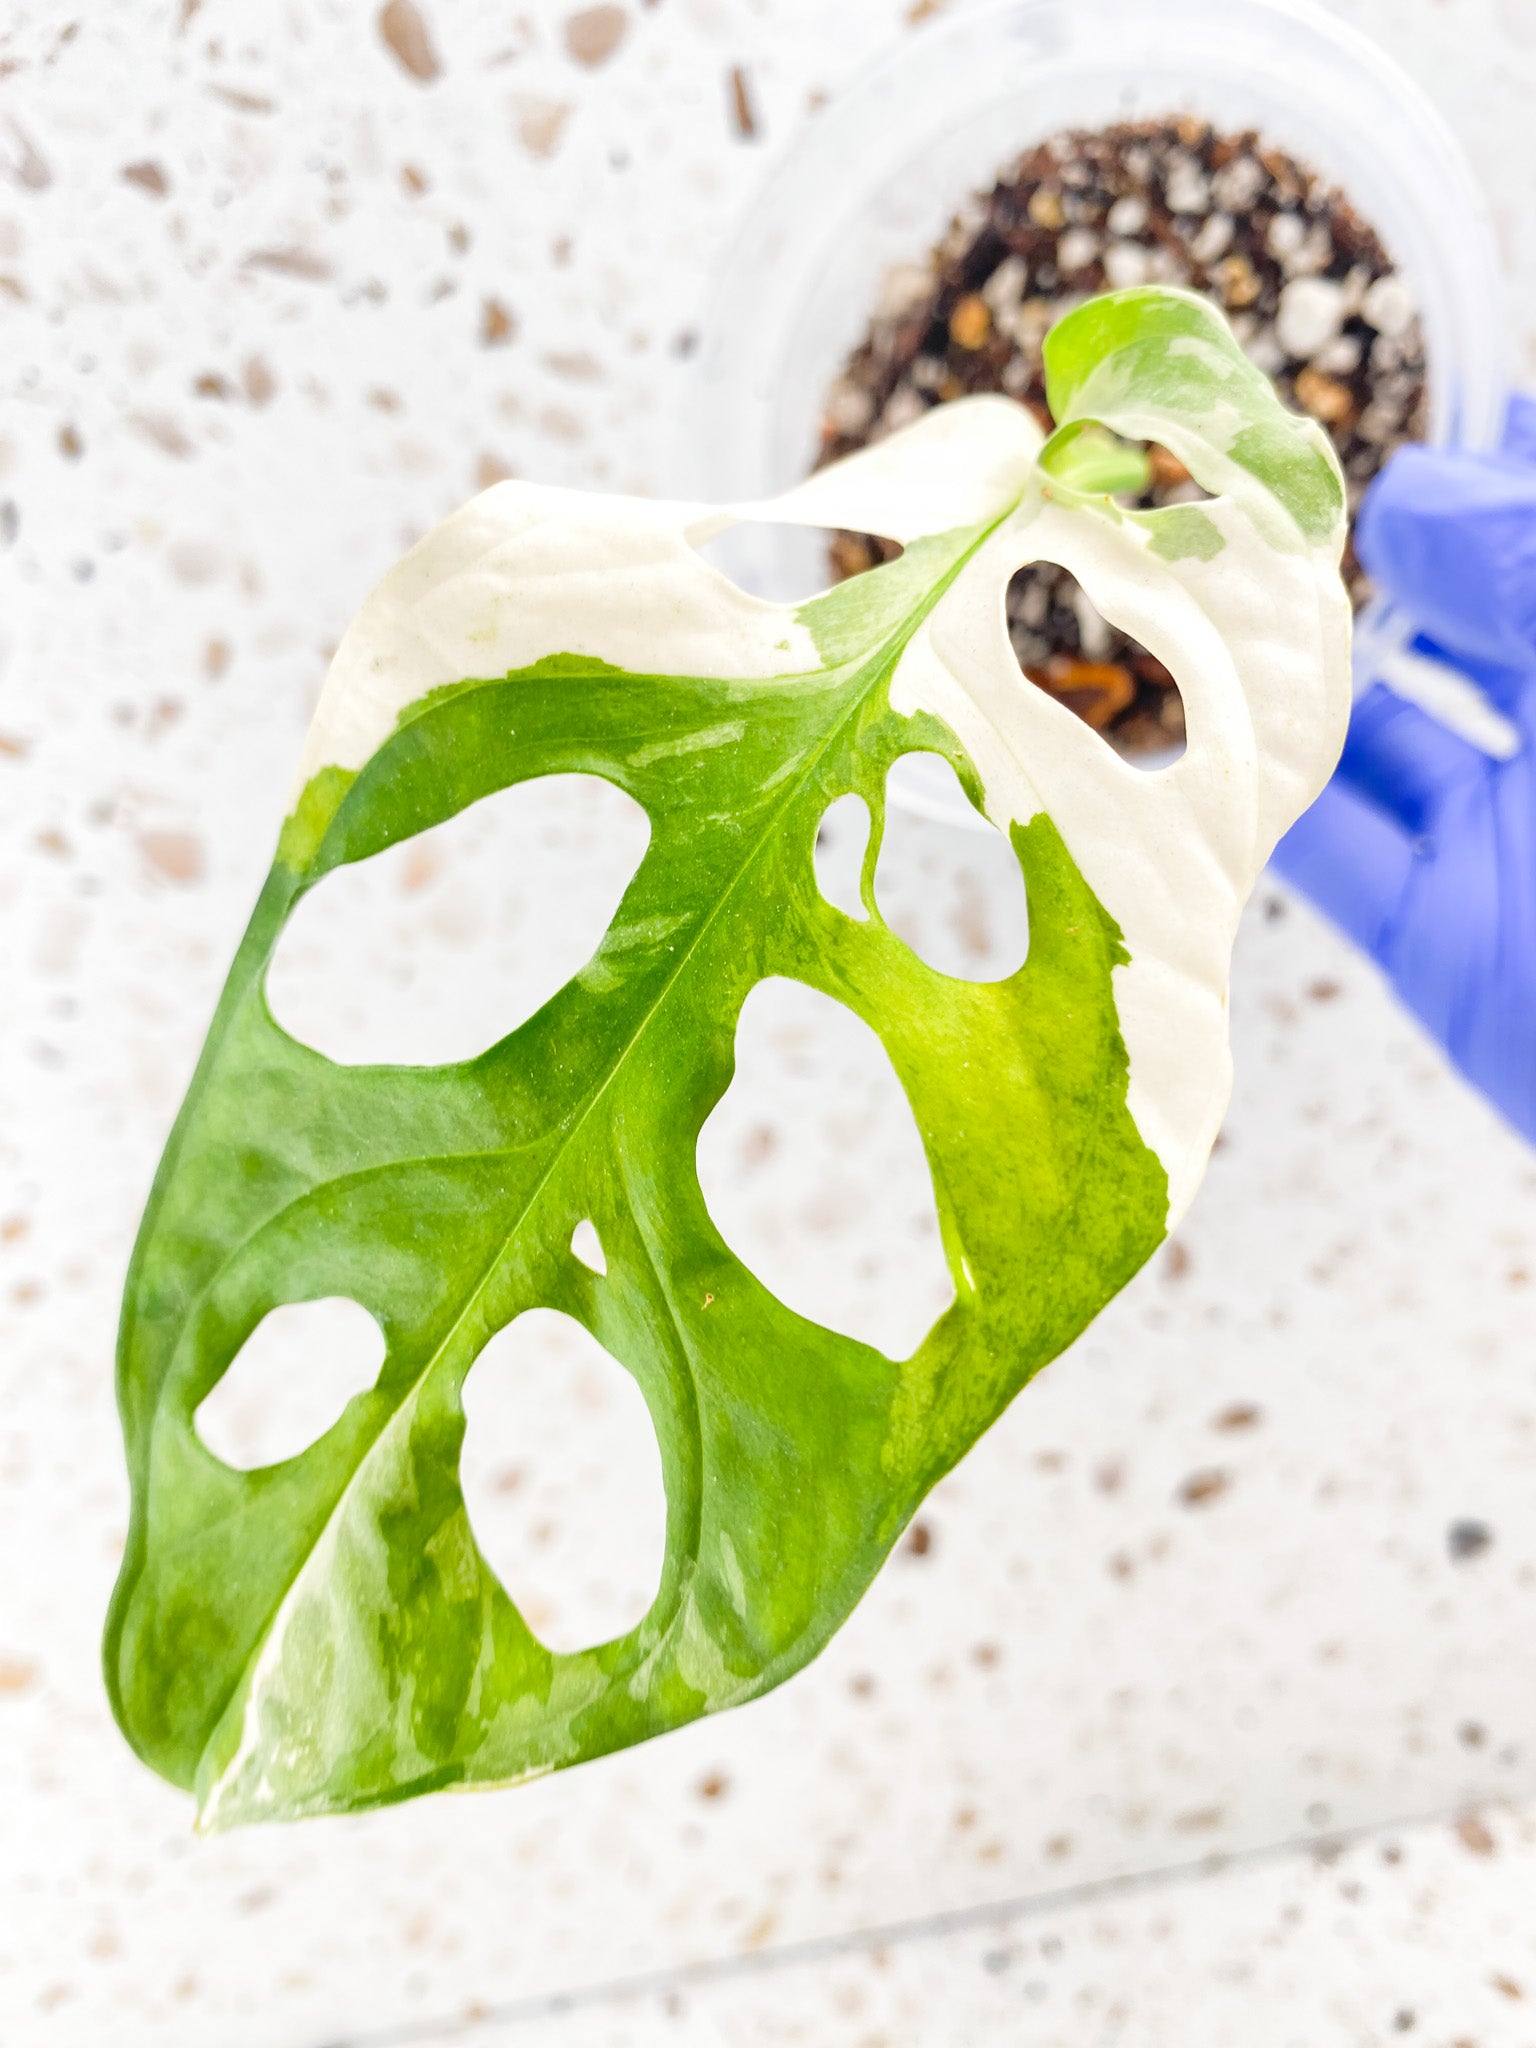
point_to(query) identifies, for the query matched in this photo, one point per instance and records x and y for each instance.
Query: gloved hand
(1423, 847)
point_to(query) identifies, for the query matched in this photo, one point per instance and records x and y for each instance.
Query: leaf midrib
(872, 667)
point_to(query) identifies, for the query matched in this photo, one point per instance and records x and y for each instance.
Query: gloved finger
(1452, 538)
(1404, 760)
(1519, 439)
(1512, 691)
(1352, 862)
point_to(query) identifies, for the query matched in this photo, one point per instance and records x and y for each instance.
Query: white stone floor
(1194, 1600)
(1423, 1934)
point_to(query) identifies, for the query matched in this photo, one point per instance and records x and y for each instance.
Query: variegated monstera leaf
(324, 1634)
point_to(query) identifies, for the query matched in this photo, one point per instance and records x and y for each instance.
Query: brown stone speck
(1474, 1835)
(1200, 1820)
(1201, 1488)
(148, 176)
(176, 856)
(300, 263)
(593, 34)
(743, 111)
(24, 163)
(165, 433)
(540, 124)
(1240, 1415)
(497, 324)
(243, 102)
(405, 36)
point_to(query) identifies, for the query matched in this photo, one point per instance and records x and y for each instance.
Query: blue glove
(1423, 847)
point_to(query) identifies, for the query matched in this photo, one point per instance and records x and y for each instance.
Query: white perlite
(1214, 239)
(1187, 189)
(1311, 314)
(1006, 286)
(1286, 234)
(1389, 305)
(904, 286)
(1126, 263)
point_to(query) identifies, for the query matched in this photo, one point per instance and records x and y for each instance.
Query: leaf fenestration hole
(956, 897)
(439, 946)
(561, 1476)
(588, 1246)
(813, 1171)
(1172, 483)
(842, 838)
(1066, 646)
(790, 564)
(290, 1381)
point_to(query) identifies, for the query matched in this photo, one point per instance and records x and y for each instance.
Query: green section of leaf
(444, 1200)
(323, 1634)
(307, 823)
(1183, 533)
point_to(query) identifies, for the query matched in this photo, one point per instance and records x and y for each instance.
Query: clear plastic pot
(875, 177)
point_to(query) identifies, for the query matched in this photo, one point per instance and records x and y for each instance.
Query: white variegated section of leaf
(1169, 855)
(960, 465)
(1280, 606)
(1258, 649)
(523, 572)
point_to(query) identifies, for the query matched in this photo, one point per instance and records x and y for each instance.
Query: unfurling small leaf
(324, 1634)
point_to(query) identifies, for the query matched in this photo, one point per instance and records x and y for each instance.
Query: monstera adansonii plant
(324, 1634)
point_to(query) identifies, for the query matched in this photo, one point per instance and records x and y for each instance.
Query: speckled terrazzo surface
(1256, 1563)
